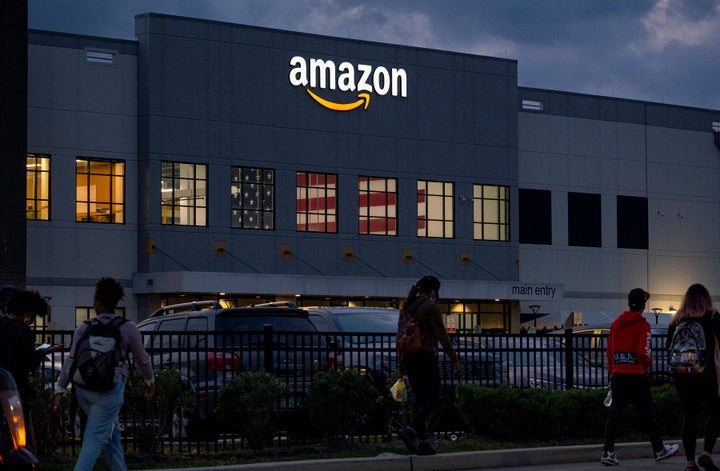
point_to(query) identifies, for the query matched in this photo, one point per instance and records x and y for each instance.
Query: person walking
(17, 346)
(422, 367)
(701, 388)
(102, 430)
(629, 359)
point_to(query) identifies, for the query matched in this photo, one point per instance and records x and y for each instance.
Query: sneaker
(424, 448)
(609, 458)
(707, 463)
(409, 437)
(668, 451)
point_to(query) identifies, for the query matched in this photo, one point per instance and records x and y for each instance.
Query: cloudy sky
(665, 51)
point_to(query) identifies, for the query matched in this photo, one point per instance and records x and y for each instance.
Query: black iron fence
(207, 361)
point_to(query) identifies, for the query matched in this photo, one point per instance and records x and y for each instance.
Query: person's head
(428, 286)
(25, 305)
(697, 301)
(6, 291)
(637, 299)
(108, 294)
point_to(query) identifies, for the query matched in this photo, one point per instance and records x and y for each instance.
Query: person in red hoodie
(629, 359)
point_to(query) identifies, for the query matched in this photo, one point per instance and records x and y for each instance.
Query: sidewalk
(636, 456)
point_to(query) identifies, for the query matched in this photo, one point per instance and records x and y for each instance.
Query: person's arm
(438, 327)
(141, 357)
(609, 352)
(645, 346)
(64, 378)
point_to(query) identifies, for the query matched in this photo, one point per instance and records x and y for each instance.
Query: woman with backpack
(421, 364)
(697, 385)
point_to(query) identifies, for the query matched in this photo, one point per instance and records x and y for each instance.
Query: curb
(470, 460)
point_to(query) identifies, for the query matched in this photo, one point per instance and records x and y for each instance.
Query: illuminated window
(184, 194)
(491, 212)
(252, 193)
(377, 206)
(83, 314)
(100, 189)
(37, 191)
(316, 202)
(435, 209)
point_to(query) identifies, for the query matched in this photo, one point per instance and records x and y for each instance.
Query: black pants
(631, 389)
(423, 374)
(694, 391)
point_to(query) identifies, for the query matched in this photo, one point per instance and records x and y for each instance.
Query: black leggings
(694, 390)
(422, 371)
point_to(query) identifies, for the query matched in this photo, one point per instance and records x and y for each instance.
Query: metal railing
(210, 360)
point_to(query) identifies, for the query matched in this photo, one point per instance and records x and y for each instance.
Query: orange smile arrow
(364, 98)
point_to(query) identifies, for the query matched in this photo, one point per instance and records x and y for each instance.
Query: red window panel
(377, 199)
(316, 204)
(378, 225)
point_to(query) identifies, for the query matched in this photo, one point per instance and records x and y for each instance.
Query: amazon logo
(360, 81)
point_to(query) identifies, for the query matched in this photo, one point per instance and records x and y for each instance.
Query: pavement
(635, 456)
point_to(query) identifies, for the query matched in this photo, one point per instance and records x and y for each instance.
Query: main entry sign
(317, 75)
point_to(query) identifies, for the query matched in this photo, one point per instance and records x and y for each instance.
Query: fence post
(268, 347)
(569, 367)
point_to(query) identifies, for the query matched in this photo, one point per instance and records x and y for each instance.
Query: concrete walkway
(635, 456)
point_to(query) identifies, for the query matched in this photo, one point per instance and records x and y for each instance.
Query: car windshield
(374, 322)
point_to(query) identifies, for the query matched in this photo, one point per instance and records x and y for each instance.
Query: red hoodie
(629, 344)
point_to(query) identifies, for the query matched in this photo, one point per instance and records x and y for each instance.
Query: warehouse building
(207, 160)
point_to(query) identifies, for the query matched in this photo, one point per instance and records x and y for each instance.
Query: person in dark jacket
(421, 367)
(17, 347)
(696, 389)
(629, 359)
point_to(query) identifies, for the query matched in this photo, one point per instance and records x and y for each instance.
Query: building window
(37, 191)
(100, 188)
(252, 192)
(184, 194)
(435, 209)
(83, 314)
(535, 221)
(584, 220)
(377, 206)
(632, 222)
(316, 202)
(491, 212)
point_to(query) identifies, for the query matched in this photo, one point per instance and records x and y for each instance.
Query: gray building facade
(209, 160)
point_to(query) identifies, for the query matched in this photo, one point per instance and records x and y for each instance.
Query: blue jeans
(102, 431)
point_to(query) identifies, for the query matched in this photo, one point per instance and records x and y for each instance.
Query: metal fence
(207, 361)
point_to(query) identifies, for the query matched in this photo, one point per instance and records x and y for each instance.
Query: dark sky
(665, 51)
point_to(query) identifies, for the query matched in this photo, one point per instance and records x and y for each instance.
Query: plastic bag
(399, 391)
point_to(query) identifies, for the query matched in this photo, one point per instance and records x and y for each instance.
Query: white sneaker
(668, 451)
(609, 458)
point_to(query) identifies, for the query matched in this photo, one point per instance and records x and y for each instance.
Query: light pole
(656, 311)
(534, 308)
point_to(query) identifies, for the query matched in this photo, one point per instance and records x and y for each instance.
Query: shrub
(519, 415)
(338, 402)
(249, 405)
(166, 410)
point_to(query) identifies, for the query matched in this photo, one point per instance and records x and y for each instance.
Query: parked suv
(210, 345)
(376, 354)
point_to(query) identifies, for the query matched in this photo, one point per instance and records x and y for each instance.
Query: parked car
(591, 342)
(376, 354)
(210, 345)
(533, 361)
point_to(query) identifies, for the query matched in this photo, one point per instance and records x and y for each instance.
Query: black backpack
(97, 354)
